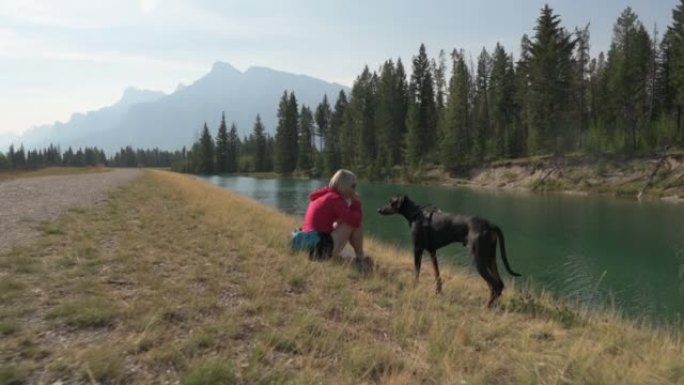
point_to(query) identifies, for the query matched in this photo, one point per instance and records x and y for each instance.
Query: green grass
(213, 371)
(176, 281)
(8, 327)
(85, 312)
(12, 375)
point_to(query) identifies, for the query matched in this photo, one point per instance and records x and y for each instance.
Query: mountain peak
(145, 118)
(134, 95)
(223, 67)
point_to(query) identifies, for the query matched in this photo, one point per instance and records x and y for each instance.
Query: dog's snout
(379, 210)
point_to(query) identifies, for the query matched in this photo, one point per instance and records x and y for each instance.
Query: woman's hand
(356, 196)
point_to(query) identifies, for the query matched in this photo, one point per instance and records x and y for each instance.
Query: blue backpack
(304, 240)
(319, 245)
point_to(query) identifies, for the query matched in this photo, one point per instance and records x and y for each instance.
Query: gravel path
(23, 202)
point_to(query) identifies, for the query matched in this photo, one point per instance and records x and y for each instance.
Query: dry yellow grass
(175, 280)
(15, 174)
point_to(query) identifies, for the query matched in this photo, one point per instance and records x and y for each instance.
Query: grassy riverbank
(176, 280)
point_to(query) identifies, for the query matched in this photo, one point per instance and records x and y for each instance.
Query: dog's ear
(400, 198)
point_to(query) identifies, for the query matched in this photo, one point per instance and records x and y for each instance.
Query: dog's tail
(502, 247)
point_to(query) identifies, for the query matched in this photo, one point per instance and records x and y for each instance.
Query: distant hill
(145, 118)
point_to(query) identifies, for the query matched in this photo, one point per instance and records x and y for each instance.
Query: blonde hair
(342, 178)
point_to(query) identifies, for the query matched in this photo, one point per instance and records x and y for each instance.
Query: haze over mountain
(148, 119)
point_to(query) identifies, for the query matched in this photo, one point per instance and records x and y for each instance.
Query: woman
(336, 210)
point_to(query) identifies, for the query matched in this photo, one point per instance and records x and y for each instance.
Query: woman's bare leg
(356, 241)
(341, 235)
(344, 233)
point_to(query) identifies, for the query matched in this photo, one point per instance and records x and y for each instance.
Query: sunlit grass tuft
(103, 364)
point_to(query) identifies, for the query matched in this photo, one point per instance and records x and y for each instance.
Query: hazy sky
(62, 56)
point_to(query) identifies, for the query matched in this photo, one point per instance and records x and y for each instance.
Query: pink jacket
(326, 207)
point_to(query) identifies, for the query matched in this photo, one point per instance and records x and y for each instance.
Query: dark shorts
(319, 245)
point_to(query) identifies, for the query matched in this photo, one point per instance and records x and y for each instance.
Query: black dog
(433, 229)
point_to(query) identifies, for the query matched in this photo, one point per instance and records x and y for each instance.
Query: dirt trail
(25, 202)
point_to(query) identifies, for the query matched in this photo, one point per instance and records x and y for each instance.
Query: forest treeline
(457, 112)
(554, 99)
(53, 156)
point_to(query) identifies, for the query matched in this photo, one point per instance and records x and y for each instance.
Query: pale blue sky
(62, 56)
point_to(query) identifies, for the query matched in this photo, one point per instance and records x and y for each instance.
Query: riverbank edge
(634, 178)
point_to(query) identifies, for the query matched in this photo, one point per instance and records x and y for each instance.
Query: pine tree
(79, 158)
(482, 132)
(281, 164)
(421, 120)
(456, 142)
(286, 135)
(306, 153)
(10, 157)
(293, 130)
(384, 115)
(19, 159)
(400, 113)
(629, 71)
(260, 153)
(413, 138)
(358, 132)
(522, 81)
(675, 38)
(4, 161)
(233, 153)
(90, 158)
(333, 147)
(580, 86)
(550, 80)
(222, 163)
(439, 71)
(322, 118)
(666, 95)
(503, 109)
(270, 153)
(206, 152)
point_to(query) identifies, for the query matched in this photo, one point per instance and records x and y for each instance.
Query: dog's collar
(417, 211)
(411, 217)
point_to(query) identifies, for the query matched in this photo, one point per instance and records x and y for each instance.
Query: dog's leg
(484, 272)
(489, 255)
(479, 249)
(417, 259)
(494, 271)
(496, 285)
(438, 279)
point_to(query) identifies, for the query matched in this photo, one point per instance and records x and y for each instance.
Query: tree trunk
(679, 124)
(649, 182)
